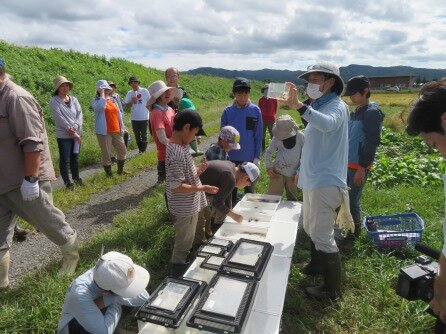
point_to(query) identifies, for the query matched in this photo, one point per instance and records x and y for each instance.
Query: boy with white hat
(287, 144)
(93, 301)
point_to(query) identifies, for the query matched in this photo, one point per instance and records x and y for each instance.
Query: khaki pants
(112, 139)
(319, 211)
(40, 213)
(280, 182)
(184, 237)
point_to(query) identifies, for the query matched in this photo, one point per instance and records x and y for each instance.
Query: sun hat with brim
(133, 79)
(284, 127)
(328, 68)
(156, 89)
(59, 80)
(116, 272)
(111, 83)
(103, 84)
(252, 170)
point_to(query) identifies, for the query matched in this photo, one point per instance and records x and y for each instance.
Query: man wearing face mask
(323, 174)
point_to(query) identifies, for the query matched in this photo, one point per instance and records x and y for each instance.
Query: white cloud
(236, 34)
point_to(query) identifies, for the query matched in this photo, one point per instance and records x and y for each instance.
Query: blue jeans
(66, 156)
(355, 194)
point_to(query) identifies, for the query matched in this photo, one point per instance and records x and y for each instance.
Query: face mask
(313, 91)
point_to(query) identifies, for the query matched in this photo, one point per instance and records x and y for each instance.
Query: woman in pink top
(161, 122)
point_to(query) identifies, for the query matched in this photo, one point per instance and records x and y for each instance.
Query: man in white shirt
(137, 98)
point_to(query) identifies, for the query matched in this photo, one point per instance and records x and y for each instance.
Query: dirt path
(88, 218)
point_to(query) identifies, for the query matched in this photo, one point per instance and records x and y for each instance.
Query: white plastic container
(277, 90)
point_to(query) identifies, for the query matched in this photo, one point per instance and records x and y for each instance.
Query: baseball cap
(230, 135)
(328, 68)
(241, 84)
(133, 79)
(2, 62)
(356, 84)
(284, 127)
(116, 272)
(191, 117)
(103, 84)
(252, 170)
(186, 103)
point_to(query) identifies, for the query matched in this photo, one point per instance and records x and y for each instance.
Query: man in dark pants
(137, 98)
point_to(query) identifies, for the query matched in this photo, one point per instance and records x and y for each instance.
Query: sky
(236, 34)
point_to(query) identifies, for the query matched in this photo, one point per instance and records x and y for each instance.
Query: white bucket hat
(329, 68)
(103, 84)
(116, 272)
(157, 89)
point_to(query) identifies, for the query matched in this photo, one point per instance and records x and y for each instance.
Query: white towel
(345, 219)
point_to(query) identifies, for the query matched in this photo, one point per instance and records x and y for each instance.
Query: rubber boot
(143, 146)
(357, 229)
(4, 268)
(314, 267)
(108, 171)
(20, 233)
(331, 289)
(178, 269)
(70, 255)
(121, 167)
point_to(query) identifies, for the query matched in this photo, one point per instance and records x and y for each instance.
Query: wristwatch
(32, 179)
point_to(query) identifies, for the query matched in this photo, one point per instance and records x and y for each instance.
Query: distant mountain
(346, 73)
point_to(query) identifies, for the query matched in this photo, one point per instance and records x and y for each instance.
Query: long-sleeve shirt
(268, 107)
(22, 129)
(79, 303)
(248, 122)
(325, 152)
(66, 116)
(98, 105)
(221, 174)
(364, 133)
(287, 160)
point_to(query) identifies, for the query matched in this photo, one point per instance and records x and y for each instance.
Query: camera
(416, 282)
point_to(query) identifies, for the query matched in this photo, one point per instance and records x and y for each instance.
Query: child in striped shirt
(185, 193)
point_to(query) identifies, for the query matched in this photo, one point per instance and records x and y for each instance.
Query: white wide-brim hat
(157, 89)
(329, 68)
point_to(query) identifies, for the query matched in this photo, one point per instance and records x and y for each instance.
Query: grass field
(369, 304)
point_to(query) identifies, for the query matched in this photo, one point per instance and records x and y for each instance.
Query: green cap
(186, 104)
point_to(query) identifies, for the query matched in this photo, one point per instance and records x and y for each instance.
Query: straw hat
(157, 89)
(59, 80)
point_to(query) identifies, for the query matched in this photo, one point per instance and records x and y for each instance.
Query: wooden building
(387, 82)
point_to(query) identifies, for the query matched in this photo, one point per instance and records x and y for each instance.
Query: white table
(266, 312)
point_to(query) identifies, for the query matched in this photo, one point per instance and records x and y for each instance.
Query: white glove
(256, 162)
(345, 219)
(30, 191)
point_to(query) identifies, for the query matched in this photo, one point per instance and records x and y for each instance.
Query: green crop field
(406, 177)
